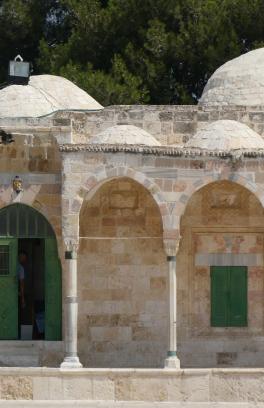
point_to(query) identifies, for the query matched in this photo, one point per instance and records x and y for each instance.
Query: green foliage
(131, 51)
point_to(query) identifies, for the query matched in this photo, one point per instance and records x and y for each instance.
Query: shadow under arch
(91, 194)
(25, 229)
(121, 269)
(223, 227)
(198, 185)
(104, 174)
(239, 183)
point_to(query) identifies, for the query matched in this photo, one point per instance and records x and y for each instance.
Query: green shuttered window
(228, 296)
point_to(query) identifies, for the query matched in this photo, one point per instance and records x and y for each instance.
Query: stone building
(143, 226)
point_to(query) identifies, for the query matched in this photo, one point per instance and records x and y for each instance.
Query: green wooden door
(238, 296)
(53, 309)
(228, 296)
(8, 289)
(219, 294)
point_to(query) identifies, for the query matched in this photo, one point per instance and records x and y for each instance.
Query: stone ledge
(156, 385)
(159, 150)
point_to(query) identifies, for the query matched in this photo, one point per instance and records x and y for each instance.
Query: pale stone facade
(144, 200)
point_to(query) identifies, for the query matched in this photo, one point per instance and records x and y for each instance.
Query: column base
(172, 361)
(71, 362)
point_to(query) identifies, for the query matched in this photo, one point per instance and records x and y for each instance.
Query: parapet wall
(170, 124)
(204, 385)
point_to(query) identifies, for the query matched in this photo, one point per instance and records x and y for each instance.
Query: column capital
(71, 247)
(171, 247)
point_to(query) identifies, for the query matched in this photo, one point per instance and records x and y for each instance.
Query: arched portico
(122, 274)
(93, 181)
(222, 238)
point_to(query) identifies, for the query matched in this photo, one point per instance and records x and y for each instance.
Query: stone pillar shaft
(71, 359)
(172, 360)
(172, 346)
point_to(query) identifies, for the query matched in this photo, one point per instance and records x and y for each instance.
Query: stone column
(172, 360)
(71, 359)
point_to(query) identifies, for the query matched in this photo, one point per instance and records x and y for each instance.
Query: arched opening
(221, 278)
(122, 273)
(30, 276)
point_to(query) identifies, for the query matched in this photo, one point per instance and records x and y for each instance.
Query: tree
(132, 51)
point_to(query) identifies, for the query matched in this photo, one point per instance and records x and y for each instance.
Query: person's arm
(22, 286)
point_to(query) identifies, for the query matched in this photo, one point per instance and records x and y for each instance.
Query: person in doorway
(22, 259)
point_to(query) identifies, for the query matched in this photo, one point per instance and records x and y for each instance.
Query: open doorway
(23, 229)
(31, 298)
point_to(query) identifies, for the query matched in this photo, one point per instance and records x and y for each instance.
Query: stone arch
(29, 197)
(199, 184)
(223, 226)
(23, 228)
(122, 271)
(104, 174)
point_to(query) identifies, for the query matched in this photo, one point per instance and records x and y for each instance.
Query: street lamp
(19, 71)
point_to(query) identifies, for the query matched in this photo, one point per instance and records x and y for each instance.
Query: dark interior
(31, 318)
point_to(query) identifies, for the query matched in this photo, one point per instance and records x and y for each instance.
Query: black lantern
(19, 71)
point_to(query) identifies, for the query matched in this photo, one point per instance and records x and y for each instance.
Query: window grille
(22, 221)
(4, 260)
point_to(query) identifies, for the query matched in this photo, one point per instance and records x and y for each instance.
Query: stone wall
(122, 275)
(170, 124)
(223, 225)
(35, 157)
(242, 387)
(231, 212)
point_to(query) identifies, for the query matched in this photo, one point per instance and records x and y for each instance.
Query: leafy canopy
(130, 51)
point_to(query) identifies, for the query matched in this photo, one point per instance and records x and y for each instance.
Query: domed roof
(125, 134)
(43, 95)
(226, 135)
(237, 82)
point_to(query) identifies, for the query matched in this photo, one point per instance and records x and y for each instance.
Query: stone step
(130, 404)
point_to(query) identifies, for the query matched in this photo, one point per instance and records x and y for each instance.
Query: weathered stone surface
(205, 386)
(43, 95)
(237, 82)
(13, 388)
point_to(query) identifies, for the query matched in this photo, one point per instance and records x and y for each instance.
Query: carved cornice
(160, 150)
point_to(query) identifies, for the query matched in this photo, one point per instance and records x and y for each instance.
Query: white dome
(226, 135)
(238, 82)
(43, 95)
(124, 134)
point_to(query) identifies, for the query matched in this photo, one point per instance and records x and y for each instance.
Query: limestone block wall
(231, 212)
(122, 279)
(35, 157)
(223, 225)
(170, 124)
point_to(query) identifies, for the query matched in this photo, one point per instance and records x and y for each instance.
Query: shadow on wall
(122, 278)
